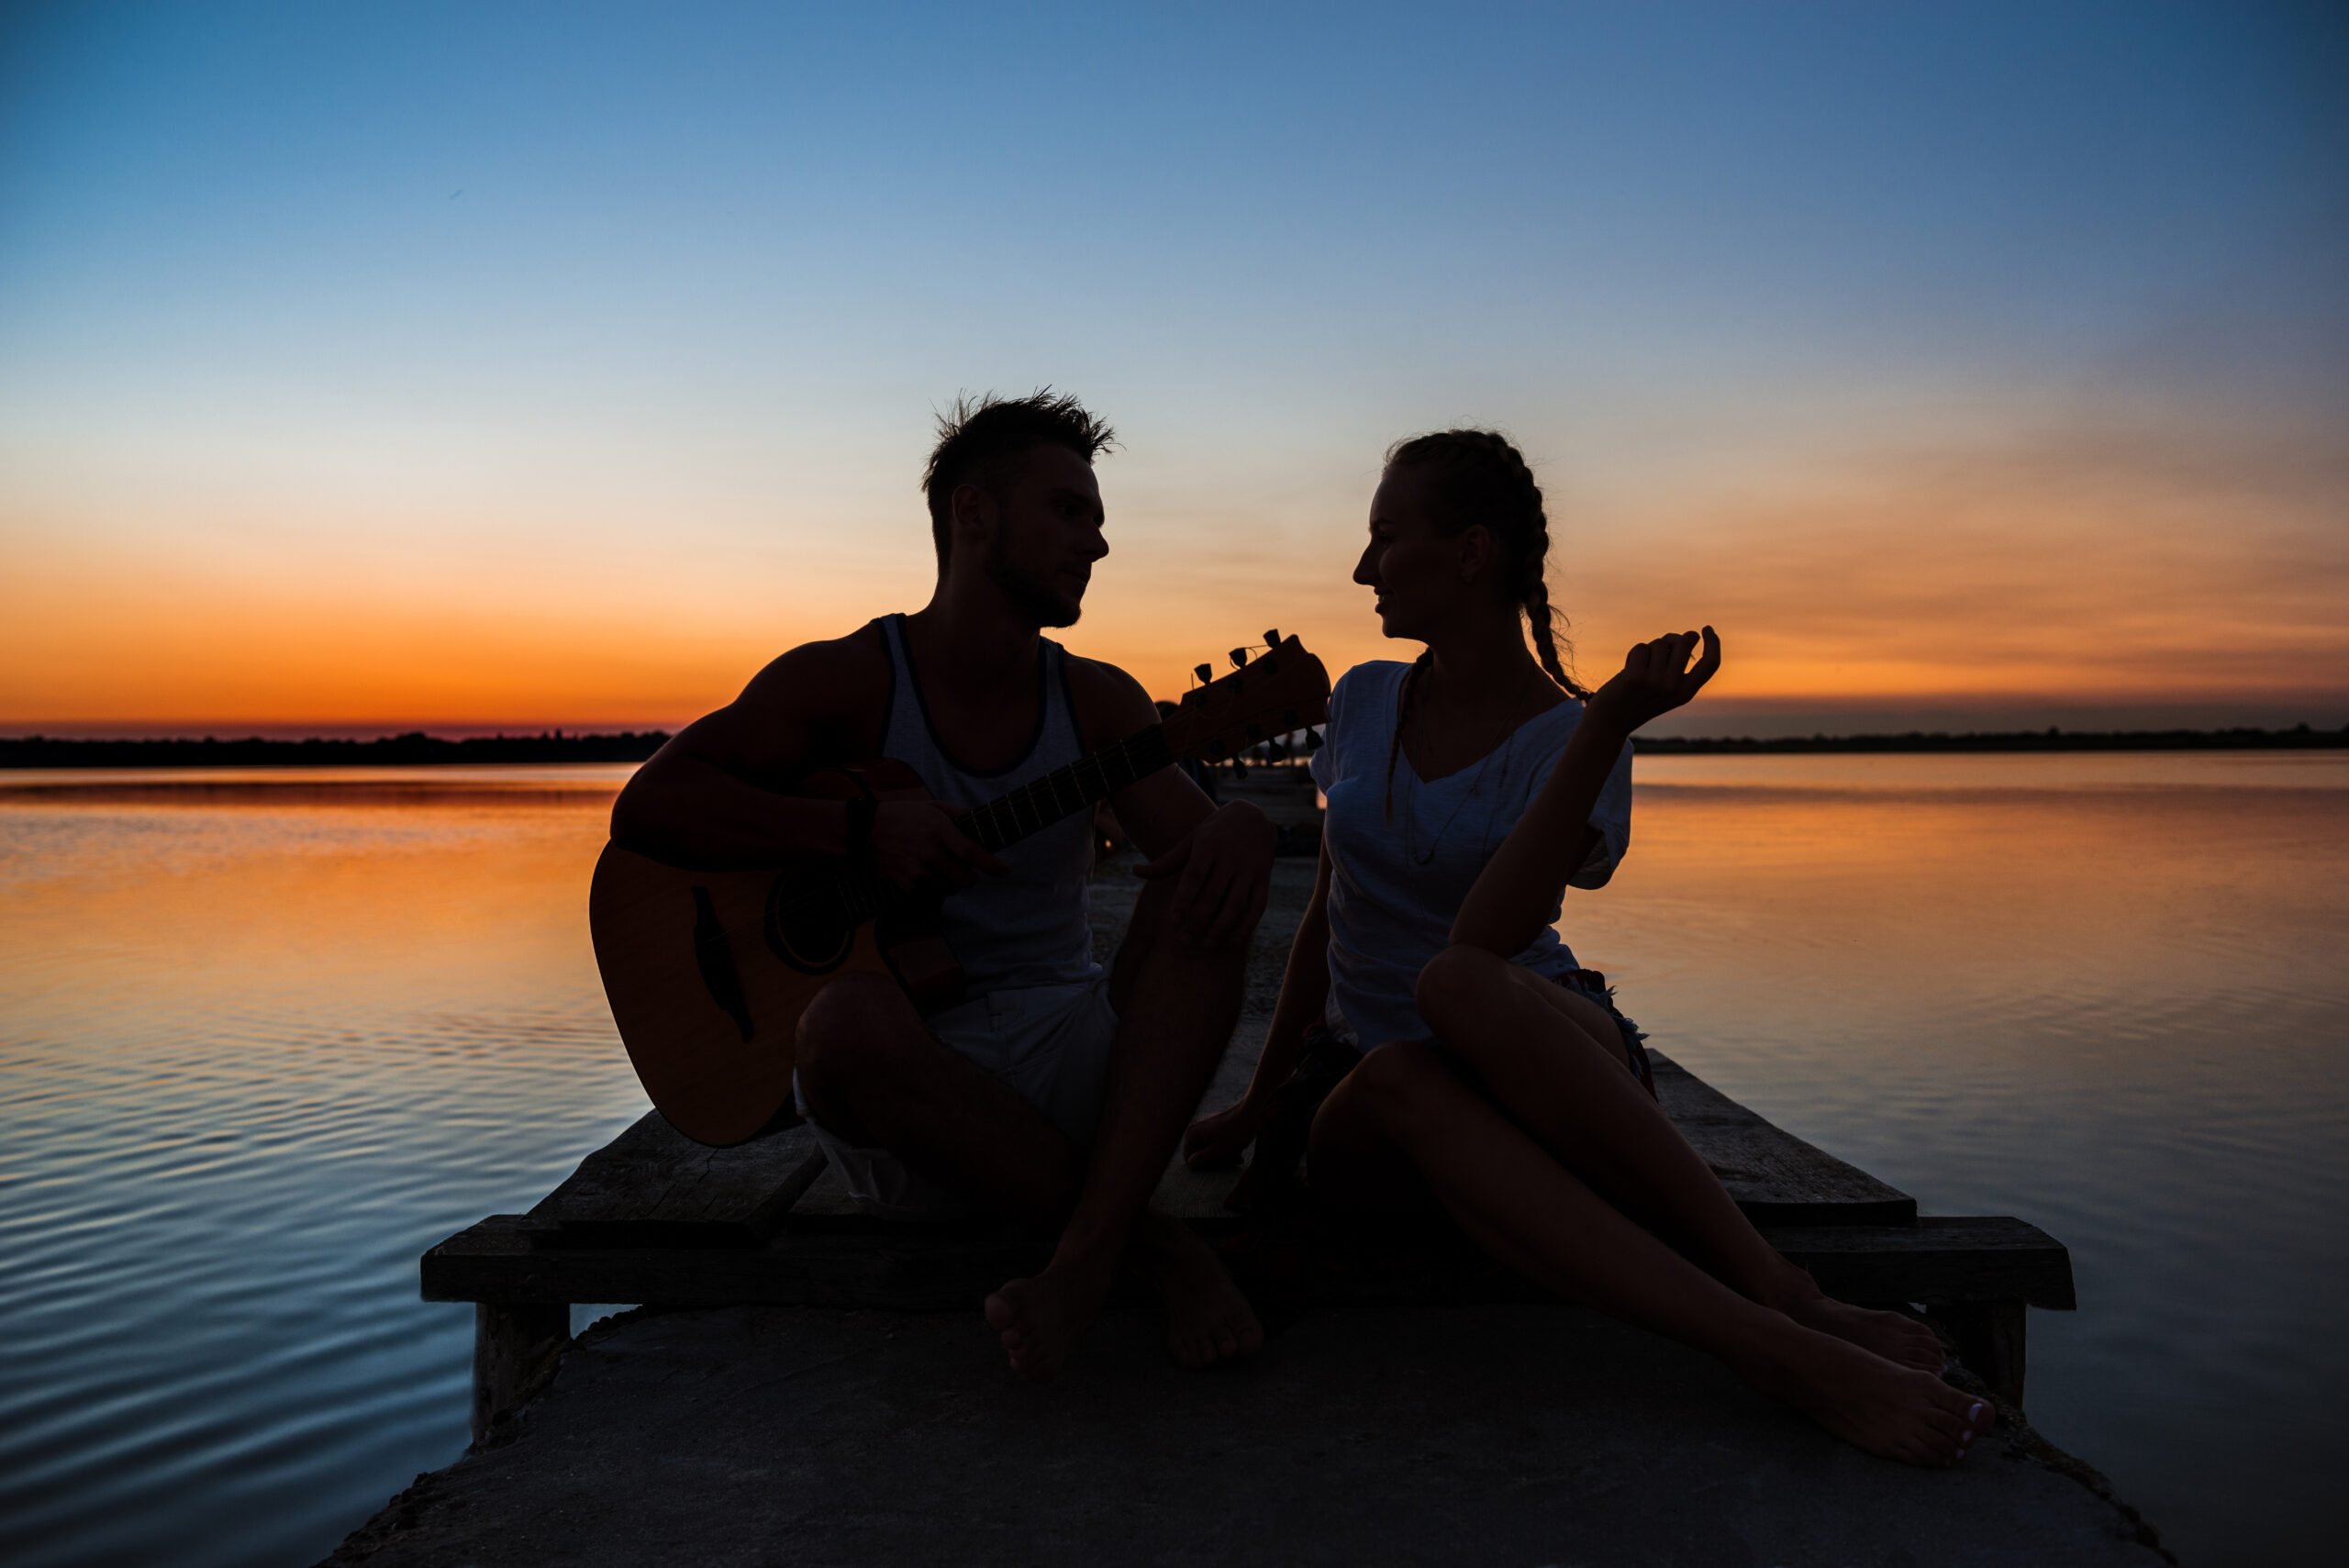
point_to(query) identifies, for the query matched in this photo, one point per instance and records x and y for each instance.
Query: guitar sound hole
(806, 926)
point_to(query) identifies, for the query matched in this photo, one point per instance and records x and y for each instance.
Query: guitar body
(707, 972)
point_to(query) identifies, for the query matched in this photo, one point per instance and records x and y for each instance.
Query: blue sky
(576, 358)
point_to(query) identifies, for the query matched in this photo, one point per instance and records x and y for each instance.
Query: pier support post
(515, 1347)
(1989, 1337)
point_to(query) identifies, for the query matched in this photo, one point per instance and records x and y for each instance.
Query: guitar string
(865, 896)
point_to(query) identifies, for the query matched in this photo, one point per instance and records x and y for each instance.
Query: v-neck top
(1398, 883)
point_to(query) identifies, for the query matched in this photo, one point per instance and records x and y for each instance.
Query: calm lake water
(264, 1036)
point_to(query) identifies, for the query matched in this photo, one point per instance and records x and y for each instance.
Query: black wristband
(862, 809)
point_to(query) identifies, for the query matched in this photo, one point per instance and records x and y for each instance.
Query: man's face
(1046, 535)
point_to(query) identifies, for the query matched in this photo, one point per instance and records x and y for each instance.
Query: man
(1055, 1091)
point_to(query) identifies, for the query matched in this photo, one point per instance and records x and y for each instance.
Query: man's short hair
(977, 437)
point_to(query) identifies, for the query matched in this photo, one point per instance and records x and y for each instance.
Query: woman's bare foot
(1897, 1412)
(1042, 1318)
(1898, 1338)
(1208, 1320)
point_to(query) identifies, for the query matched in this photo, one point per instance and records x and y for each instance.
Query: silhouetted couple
(1466, 790)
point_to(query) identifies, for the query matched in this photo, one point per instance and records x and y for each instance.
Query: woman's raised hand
(1656, 677)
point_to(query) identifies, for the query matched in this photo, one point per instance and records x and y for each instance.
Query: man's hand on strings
(921, 841)
(1656, 677)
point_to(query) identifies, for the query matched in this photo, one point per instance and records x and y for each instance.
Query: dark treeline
(2301, 738)
(43, 752)
(48, 751)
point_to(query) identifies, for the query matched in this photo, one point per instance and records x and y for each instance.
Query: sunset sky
(467, 366)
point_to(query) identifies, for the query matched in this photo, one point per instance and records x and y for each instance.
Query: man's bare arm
(1220, 1139)
(714, 795)
(1221, 856)
(715, 791)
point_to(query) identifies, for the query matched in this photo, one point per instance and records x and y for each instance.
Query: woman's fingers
(1707, 665)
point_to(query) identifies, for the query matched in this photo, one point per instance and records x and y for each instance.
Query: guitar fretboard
(1034, 806)
(1064, 792)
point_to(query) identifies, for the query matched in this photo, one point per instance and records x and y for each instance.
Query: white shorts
(1050, 1045)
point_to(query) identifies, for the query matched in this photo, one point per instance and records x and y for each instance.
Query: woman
(1465, 792)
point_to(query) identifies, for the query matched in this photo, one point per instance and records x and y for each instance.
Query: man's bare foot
(1898, 1338)
(1897, 1412)
(1042, 1318)
(1208, 1320)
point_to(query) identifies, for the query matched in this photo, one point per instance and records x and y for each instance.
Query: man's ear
(975, 513)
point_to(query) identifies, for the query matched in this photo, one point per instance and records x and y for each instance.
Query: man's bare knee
(852, 1026)
(1151, 932)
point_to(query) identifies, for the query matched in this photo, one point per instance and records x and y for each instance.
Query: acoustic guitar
(707, 971)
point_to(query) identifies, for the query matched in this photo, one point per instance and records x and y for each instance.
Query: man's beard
(1033, 598)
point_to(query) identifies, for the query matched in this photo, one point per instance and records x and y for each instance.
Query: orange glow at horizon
(2078, 576)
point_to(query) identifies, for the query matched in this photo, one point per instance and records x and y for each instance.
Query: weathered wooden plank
(918, 1269)
(653, 1186)
(1939, 1260)
(1944, 1261)
(1776, 1177)
(1990, 1337)
(516, 1348)
(1194, 1195)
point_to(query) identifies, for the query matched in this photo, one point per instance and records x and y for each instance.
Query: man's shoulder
(851, 670)
(1109, 701)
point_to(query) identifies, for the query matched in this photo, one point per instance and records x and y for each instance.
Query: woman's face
(1424, 581)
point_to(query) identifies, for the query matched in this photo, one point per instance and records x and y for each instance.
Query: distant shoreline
(388, 750)
(632, 746)
(2299, 739)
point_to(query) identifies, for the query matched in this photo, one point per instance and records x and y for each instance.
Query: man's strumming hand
(921, 841)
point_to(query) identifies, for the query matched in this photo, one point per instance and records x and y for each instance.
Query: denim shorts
(1587, 983)
(1591, 984)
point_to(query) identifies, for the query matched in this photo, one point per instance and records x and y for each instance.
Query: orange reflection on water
(1785, 917)
(233, 896)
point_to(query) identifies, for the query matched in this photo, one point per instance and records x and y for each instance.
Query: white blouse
(1398, 883)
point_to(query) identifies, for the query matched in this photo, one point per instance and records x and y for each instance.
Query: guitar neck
(1064, 792)
(1031, 809)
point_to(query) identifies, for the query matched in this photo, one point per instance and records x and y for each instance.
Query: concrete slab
(1496, 1434)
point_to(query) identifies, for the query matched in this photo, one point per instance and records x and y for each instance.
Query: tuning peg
(1206, 672)
(1239, 657)
(1272, 639)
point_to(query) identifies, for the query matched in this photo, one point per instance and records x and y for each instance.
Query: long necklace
(1505, 743)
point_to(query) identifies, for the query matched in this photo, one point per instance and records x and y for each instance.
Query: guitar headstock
(1282, 689)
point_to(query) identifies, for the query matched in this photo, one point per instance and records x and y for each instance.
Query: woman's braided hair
(1480, 477)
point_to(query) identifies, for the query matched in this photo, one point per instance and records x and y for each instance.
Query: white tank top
(1029, 928)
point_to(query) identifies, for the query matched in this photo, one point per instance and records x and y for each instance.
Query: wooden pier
(1413, 1402)
(655, 1219)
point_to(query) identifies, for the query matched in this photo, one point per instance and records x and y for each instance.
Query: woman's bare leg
(1531, 1213)
(1555, 1062)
